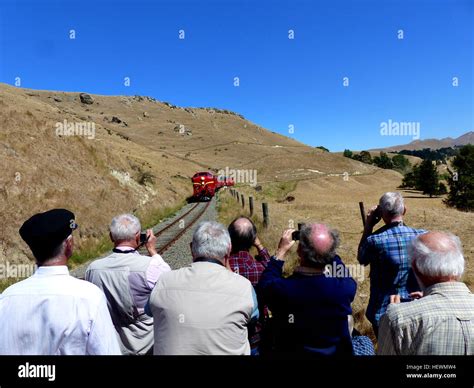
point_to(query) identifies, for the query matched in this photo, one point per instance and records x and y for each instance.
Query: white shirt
(52, 313)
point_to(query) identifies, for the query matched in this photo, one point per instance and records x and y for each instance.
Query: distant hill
(467, 138)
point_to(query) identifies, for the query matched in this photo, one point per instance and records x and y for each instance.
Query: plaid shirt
(440, 323)
(251, 268)
(244, 264)
(362, 346)
(390, 267)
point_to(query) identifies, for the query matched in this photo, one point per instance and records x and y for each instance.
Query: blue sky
(283, 81)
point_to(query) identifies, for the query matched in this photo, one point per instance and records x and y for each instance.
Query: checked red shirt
(251, 268)
(244, 264)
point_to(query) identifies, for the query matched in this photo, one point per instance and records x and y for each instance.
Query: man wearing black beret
(52, 313)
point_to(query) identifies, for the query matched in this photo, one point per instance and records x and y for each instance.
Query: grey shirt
(127, 280)
(202, 309)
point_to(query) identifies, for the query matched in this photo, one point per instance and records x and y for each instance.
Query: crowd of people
(229, 302)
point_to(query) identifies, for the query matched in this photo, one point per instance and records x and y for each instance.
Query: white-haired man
(442, 321)
(205, 308)
(386, 252)
(127, 279)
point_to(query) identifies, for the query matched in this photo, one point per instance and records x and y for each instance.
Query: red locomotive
(228, 181)
(204, 186)
(223, 181)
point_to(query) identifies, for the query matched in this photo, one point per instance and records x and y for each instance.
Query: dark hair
(44, 253)
(308, 251)
(242, 238)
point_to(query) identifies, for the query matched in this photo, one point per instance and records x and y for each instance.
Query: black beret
(43, 232)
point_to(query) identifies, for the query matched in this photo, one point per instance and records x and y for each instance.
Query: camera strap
(395, 224)
(115, 250)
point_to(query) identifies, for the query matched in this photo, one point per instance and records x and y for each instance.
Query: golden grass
(5, 283)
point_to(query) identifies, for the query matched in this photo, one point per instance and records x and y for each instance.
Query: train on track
(206, 184)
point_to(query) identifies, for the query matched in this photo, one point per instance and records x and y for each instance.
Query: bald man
(442, 321)
(309, 308)
(243, 235)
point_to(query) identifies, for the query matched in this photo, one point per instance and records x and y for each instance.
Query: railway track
(166, 236)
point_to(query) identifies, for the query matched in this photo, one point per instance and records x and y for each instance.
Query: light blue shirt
(52, 313)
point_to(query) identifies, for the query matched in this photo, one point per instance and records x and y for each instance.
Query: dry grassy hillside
(96, 178)
(207, 137)
(136, 137)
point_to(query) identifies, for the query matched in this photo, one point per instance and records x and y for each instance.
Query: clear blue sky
(282, 82)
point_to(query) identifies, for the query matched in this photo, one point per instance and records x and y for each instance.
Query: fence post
(243, 200)
(251, 206)
(266, 218)
(362, 213)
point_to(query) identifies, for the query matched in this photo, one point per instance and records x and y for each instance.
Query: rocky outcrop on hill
(86, 98)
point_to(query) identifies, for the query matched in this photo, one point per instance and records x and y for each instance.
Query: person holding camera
(243, 235)
(386, 252)
(127, 279)
(310, 308)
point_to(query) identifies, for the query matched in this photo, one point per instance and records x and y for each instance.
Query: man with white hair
(204, 309)
(386, 252)
(127, 279)
(442, 321)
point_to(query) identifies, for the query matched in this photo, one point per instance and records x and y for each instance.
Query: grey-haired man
(127, 279)
(205, 308)
(386, 252)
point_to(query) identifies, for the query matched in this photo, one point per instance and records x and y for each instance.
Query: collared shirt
(127, 279)
(202, 309)
(243, 263)
(440, 323)
(52, 313)
(390, 267)
(309, 311)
